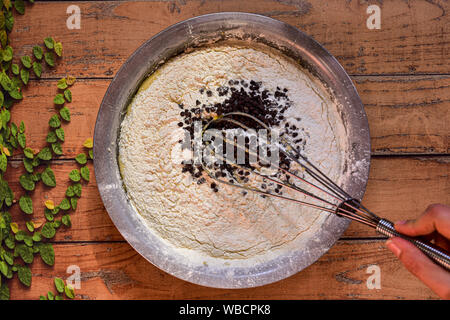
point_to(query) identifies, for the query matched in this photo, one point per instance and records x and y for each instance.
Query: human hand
(433, 224)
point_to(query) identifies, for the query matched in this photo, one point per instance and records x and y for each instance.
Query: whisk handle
(442, 258)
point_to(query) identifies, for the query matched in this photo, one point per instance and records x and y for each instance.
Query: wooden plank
(414, 35)
(116, 271)
(402, 188)
(398, 188)
(407, 115)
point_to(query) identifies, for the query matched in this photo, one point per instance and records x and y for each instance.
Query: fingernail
(395, 250)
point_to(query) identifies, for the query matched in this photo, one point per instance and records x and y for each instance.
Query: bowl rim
(138, 66)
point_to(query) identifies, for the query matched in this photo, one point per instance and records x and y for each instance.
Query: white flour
(223, 227)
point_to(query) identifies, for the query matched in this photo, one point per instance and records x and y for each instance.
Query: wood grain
(402, 73)
(407, 115)
(413, 39)
(398, 188)
(116, 271)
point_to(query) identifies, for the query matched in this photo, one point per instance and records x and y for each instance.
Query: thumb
(432, 275)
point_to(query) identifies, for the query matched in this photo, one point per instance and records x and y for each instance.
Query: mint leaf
(85, 173)
(26, 204)
(48, 177)
(74, 175)
(45, 154)
(38, 52)
(81, 158)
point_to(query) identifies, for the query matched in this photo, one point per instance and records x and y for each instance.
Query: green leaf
(59, 297)
(26, 61)
(36, 176)
(26, 182)
(49, 42)
(28, 152)
(28, 240)
(3, 162)
(16, 94)
(22, 140)
(51, 137)
(62, 84)
(37, 236)
(57, 149)
(59, 99)
(2, 20)
(20, 235)
(45, 154)
(48, 214)
(38, 52)
(59, 284)
(15, 69)
(69, 292)
(49, 57)
(74, 175)
(56, 224)
(24, 275)
(42, 298)
(69, 191)
(4, 292)
(3, 38)
(65, 204)
(47, 253)
(54, 121)
(48, 177)
(9, 22)
(22, 127)
(74, 203)
(65, 113)
(48, 231)
(81, 158)
(58, 48)
(9, 257)
(26, 204)
(3, 268)
(68, 95)
(50, 295)
(19, 5)
(65, 219)
(25, 76)
(37, 68)
(25, 252)
(60, 133)
(36, 162)
(6, 82)
(30, 226)
(27, 163)
(9, 242)
(91, 154)
(77, 189)
(8, 53)
(85, 173)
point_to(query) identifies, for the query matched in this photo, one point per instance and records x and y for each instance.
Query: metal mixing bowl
(194, 33)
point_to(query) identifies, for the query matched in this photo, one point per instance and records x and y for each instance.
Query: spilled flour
(223, 226)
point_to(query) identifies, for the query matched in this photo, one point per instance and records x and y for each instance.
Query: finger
(442, 242)
(435, 218)
(432, 275)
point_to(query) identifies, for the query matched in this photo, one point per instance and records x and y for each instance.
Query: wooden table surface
(401, 71)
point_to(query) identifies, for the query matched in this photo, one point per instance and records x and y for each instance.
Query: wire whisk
(317, 190)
